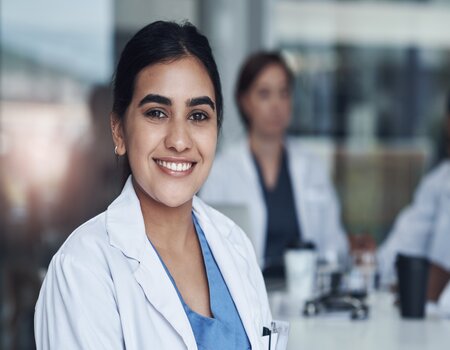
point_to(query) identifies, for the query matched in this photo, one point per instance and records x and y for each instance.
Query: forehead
(184, 78)
(272, 74)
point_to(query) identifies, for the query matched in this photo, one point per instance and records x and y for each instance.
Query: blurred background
(370, 91)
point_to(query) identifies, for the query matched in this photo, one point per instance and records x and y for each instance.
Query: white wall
(235, 28)
(371, 22)
(134, 14)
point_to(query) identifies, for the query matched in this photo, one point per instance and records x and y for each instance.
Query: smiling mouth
(175, 166)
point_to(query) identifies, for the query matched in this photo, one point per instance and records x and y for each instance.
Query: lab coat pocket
(265, 342)
(276, 336)
(281, 331)
(269, 339)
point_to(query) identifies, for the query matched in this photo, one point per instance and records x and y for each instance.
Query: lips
(175, 167)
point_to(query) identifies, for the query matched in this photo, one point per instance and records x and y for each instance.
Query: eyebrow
(196, 101)
(203, 100)
(155, 99)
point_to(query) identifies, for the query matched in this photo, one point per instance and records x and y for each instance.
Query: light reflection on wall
(38, 138)
(55, 144)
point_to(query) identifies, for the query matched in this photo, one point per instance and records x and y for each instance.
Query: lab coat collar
(255, 191)
(232, 261)
(125, 224)
(126, 230)
(297, 165)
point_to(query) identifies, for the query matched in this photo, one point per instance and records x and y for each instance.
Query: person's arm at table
(437, 280)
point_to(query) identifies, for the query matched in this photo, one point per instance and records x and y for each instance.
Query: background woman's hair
(250, 71)
(159, 42)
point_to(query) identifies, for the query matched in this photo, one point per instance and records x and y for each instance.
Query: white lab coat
(234, 180)
(107, 289)
(423, 228)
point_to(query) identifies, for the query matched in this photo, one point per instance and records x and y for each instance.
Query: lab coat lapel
(159, 290)
(231, 265)
(126, 229)
(258, 207)
(299, 179)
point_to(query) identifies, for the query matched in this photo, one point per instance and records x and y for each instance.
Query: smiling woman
(169, 131)
(159, 268)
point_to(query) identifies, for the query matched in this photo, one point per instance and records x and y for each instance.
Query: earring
(115, 151)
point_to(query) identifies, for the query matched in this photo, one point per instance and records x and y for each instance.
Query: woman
(288, 193)
(158, 269)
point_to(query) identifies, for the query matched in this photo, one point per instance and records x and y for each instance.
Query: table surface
(383, 330)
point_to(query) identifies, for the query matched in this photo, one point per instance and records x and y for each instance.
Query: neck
(166, 227)
(266, 147)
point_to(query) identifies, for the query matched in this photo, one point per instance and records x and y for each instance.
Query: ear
(118, 134)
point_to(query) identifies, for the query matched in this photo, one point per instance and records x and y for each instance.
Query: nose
(178, 135)
(277, 104)
(280, 102)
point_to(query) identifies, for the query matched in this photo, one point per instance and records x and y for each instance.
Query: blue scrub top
(225, 330)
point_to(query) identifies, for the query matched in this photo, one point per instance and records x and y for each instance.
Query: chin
(174, 201)
(274, 133)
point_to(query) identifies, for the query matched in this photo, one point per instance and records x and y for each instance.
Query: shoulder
(77, 303)
(311, 160)
(440, 173)
(86, 248)
(80, 274)
(441, 179)
(90, 235)
(437, 180)
(311, 152)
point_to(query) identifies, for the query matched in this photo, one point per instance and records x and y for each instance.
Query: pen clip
(267, 331)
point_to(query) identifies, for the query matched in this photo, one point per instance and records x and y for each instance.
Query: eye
(285, 93)
(264, 94)
(155, 114)
(198, 116)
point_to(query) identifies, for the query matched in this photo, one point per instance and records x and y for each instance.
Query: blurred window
(372, 78)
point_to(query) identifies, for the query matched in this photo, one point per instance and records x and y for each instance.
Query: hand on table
(361, 246)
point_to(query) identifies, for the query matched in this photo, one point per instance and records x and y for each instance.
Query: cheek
(207, 142)
(287, 108)
(257, 108)
(212, 144)
(141, 140)
(264, 112)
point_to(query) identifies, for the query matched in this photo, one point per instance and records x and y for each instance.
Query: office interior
(371, 83)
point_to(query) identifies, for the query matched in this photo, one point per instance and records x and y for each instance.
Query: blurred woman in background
(287, 191)
(158, 269)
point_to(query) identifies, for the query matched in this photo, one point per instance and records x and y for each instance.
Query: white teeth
(174, 166)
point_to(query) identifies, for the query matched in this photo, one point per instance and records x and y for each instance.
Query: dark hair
(250, 71)
(158, 42)
(442, 136)
(448, 105)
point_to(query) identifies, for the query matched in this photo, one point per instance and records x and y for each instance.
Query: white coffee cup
(300, 272)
